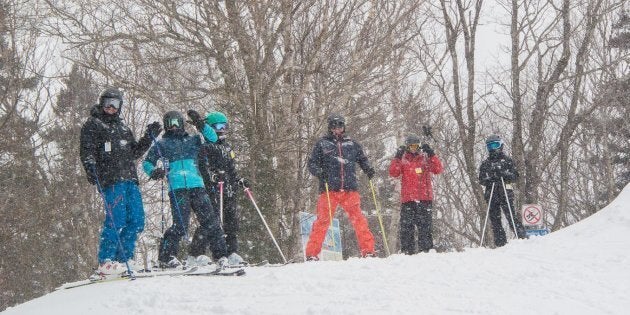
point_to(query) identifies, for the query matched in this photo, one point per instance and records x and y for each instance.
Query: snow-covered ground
(582, 269)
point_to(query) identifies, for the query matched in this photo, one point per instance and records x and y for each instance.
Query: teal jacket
(181, 152)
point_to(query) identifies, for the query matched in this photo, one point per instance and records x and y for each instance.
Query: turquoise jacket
(181, 153)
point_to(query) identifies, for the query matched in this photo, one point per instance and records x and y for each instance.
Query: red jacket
(416, 170)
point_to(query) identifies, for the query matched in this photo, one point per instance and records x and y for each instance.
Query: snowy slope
(582, 269)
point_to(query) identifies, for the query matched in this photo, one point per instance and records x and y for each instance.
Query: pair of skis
(194, 271)
(265, 263)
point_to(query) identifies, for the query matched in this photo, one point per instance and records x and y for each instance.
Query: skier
(498, 170)
(217, 165)
(333, 161)
(179, 152)
(108, 152)
(415, 164)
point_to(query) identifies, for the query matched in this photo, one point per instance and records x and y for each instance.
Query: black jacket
(112, 145)
(218, 158)
(336, 158)
(497, 166)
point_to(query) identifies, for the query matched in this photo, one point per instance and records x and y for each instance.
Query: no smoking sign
(532, 215)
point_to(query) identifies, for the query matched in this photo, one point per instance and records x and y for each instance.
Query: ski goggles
(493, 145)
(220, 126)
(111, 102)
(413, 146)
(337, 124)
(173, 122)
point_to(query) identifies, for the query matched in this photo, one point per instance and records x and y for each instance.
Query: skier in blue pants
(108, 152)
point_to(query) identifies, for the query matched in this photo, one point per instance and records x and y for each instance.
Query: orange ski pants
(350, 201)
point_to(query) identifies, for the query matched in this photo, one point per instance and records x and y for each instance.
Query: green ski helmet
(218, 121)
(216, 118)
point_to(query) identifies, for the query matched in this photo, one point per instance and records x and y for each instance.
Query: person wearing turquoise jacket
(179, 153)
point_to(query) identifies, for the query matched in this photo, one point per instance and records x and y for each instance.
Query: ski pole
(249, 194)
(109, 212)
(171, 192)
(507, 200)
(162, 208)
(221, 201)
(485, 222)
(380, 220)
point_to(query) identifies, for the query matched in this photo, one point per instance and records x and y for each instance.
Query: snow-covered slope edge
(582, 269)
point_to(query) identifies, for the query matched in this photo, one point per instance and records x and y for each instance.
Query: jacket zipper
(341, 164)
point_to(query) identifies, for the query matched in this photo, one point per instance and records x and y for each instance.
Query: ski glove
(370, 172)
(153, 129)
(90, 170)
(428, 150)
(322, 174)
(195, 119)
(216, 177)
(244, 183)
(400, 152)
(157, 173)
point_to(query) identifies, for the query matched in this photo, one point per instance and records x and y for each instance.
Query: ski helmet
(173, 119)
(493, 143)
(412, 139)
(217, 120)
(336, 120)
(111, 97)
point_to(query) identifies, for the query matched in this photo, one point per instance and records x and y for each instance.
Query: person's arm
(88, 149)
(434, 165)
(486, 176)
(395, 168)
(140, 147)
(206, 131)
(150, 160)
(509, 171)
(363, 161)
(315, 162)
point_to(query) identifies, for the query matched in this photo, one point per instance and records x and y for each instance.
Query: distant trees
(557, 93)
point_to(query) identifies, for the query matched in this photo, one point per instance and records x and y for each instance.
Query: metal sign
(532, 215)
(331, 248)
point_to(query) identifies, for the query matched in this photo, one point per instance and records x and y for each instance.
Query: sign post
(532, 216)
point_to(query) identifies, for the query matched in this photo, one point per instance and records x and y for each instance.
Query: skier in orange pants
(333, 161)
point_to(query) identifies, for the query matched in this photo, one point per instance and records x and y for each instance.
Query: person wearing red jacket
(415, 164)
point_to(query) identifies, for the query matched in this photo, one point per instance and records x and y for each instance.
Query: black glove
(153, 129)
(244, 183)
(216, 177)
(370, 172)
(400, 152)
(322, 174)
(157, 173)
(427, 149)
(195, 119)
(90, 170)
(494, 176)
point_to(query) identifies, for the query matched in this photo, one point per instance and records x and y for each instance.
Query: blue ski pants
(124, 220)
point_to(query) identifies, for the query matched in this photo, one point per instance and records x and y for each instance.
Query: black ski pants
(230, 214)
(208, 233)
(416, 215)
(500, 204)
